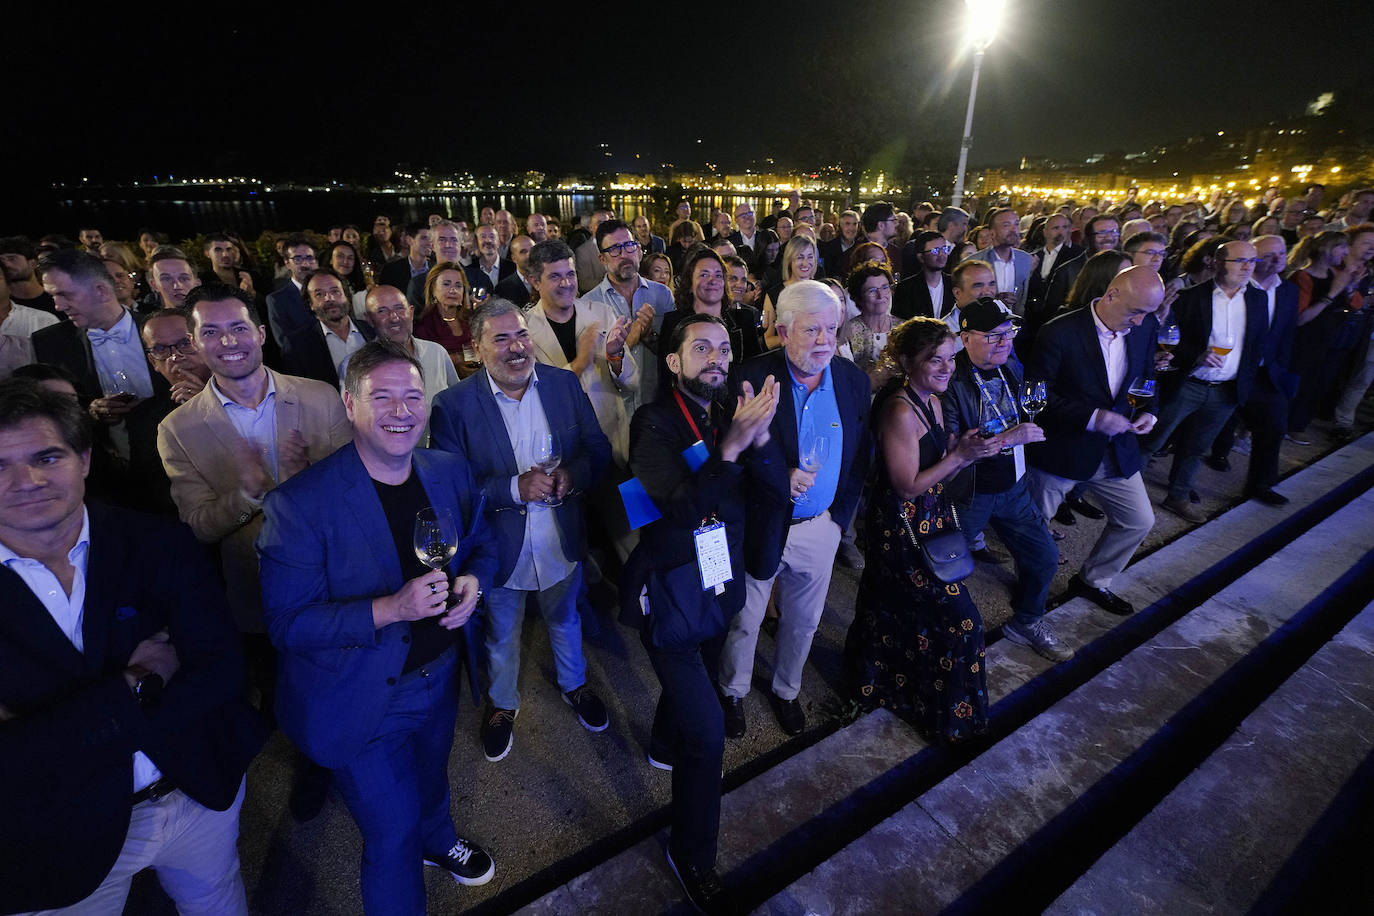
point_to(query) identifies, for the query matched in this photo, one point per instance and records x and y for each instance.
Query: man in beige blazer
(248, 430)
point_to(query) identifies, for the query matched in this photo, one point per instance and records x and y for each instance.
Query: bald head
(1133, 294)
(1272, 252)
(390, 313)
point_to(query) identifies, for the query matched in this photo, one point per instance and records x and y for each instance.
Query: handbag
(946, 554)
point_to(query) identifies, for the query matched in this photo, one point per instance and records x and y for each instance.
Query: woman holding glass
(916, 644)
(863, 338)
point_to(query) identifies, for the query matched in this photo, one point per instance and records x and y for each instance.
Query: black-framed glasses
(302, 259)
(620, 248)
(878, 290)
(1001, 337)
(940, 249)
(185, 347)
(1242, 260)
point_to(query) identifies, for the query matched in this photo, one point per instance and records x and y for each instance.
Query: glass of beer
(1168, 338)
(1222, 344)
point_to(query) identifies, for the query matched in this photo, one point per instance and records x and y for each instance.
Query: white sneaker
(1039, 637)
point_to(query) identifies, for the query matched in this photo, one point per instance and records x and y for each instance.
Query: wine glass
(1141, 391)
(1222, 344)
(811, 459)
(1033, 399)
(436, 537)
(547, 457)
(1168, 338)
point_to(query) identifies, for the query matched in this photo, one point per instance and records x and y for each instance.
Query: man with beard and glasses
(701, 456)
(319, 349)
(822, 399)
(630, 296)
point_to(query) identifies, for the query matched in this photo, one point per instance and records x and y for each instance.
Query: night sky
(312, 93)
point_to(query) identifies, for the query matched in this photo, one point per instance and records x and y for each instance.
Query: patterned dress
(916, 644)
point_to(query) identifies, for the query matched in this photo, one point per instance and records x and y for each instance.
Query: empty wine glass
(436, 537)
(811, 459)
(1033, 398)
(547, 457)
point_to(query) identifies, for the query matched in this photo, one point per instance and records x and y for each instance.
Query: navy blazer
(326, 551)
(479, 280)
(466, 419)
(287, 311)
(1068, 358)
(66, 752)
(767, 525)
(1278, 343)
(305, 352)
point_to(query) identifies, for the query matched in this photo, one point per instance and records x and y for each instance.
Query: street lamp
(981, 18)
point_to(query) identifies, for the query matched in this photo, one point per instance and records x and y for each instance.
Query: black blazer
(512, 289)
(287, 311)
(1193, 311)
(1068, 358)
(767, 526)
(397, 273)
(306, 354)
(477, 279)
(64, 344)
(1037, 298)
(911, 296)
(66, 756)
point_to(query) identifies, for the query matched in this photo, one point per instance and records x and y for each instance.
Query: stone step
(936, 848)
(1214, 843)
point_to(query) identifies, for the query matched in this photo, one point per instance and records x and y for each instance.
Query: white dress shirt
(120, 349)
(1113, 344)
(1228, 320)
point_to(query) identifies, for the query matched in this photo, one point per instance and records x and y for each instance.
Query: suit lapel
(1092, 353)
(106, 566)
(496, 424)
(546, 345)
(361, 498)
(288, 410)
(787, 411)
(27, 623)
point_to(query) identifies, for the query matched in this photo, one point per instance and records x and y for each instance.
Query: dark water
(120, 215)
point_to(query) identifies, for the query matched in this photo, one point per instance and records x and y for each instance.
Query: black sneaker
(466, 861)
(789, 713)
(735, 726)
(591, 712)
(703, 887)
(498, 733)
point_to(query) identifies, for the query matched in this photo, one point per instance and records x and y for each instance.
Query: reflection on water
(250, 217)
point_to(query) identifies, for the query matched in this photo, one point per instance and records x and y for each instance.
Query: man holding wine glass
(1222, 326)
(363, 626)
(984, 393)
(1086, 358)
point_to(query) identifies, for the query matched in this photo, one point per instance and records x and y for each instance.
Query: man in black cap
(987, 372)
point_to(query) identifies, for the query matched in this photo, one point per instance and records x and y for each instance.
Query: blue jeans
(689, 724)
(1207, 408)
(505, 616)
(397, 788)
(1017, 521)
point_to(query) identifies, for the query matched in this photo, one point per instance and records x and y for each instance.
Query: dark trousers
(689, 728)
(397, 788)
(1013, 515)
(1206, 408)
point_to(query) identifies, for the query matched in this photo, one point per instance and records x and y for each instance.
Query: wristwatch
(148, 685)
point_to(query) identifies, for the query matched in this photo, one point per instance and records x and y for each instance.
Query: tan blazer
(198, 446)
(603, 387)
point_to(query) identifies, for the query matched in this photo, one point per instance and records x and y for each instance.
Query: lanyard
(682, 405)
(1006, 388)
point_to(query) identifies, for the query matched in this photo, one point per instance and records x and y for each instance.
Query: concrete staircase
(1204, 755)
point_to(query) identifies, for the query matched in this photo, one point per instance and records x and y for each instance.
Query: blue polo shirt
(818, 414)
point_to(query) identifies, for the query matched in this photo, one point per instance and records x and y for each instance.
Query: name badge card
(713, 556)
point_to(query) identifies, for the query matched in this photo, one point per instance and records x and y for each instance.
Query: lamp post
(980, 27)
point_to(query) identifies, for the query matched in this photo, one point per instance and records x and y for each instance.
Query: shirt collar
(797, 383)
(1274, 282)
(1102, 330)
(122, 330)
(496, 391)
(82, 545)
(228, 402)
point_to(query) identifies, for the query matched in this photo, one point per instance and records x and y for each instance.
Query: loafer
(789, 713)
(989, 555)
(1064, 515)
(1269, 497)
(1185, 509)
(1085, 509)
(1104, 598)
(735, 726)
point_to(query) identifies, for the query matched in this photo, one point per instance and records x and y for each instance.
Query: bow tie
(120, 334)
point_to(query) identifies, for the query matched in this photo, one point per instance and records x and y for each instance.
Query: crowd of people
(389, 446)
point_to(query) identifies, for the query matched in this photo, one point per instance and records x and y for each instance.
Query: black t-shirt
(566, 332)
(41, 301)
(997, 473)
(400, 504)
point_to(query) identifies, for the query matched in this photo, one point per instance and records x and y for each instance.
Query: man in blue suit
(287, 309)
(822, 397)
(369, 642)
(496, 419)
(1010, 264)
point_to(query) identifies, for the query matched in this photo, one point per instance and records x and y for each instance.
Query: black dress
(916, 644)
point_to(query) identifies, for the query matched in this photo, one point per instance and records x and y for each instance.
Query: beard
(716, 394)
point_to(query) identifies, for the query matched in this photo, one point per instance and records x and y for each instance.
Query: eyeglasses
(620, 248)
(1154, 253)
(302, 259)
(1106, 233)
(878, 290)
(1242, 260)
(185, 347)
(993, 340)
(940, 249)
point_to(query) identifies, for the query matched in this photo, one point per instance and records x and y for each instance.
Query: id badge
(713, 556)
(1018, 460)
